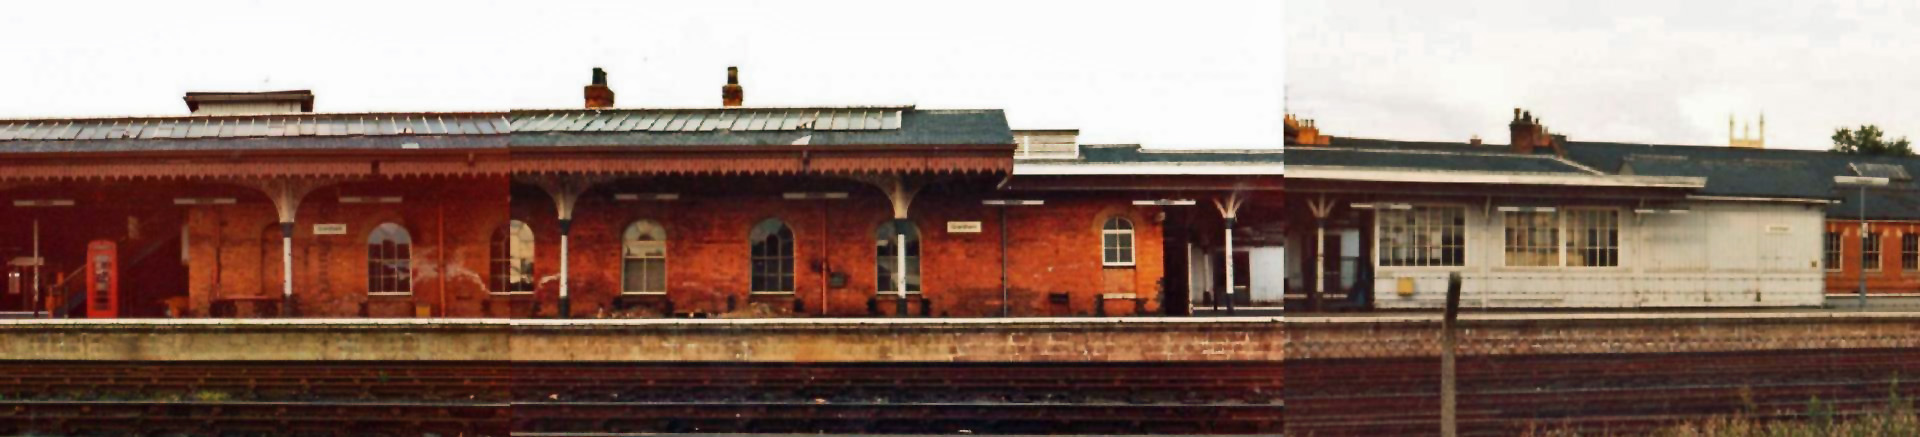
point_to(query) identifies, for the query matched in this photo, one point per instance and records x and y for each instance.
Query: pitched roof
(1413, 155)
(760, 127)
(287, 131)
(1130, 159)
(1783, 173)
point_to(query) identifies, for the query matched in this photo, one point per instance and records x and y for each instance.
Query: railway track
(1589, 393)
(250, 419)
(983, 398)
(473, 399)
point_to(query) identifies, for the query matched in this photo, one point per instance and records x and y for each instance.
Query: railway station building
(1545, 222)
(257, 206)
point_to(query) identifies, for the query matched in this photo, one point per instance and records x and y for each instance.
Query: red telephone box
(103, 280)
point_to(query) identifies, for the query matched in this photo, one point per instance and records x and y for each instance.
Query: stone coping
(1052, 321)
(1576, 317)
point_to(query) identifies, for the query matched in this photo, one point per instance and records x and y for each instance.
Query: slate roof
(1729, 172)
(1779, 173)
(760, 127)
(1414, 155)
(1133, 153)
(287, 131)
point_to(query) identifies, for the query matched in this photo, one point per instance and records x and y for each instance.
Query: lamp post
(1863, 183)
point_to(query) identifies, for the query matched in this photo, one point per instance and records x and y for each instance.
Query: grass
(1897, 417)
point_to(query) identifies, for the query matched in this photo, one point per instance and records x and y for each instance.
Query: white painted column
(563, 267)
(900, 259)
(1319, 262)
(566, 225)
(286, 262)
(1229, 214)
(1229, 265)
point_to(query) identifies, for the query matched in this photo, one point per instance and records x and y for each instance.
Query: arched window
(644, 253)
(1116, 242)
(772, 257)
(389, 260)
(512, 262)
(886, 257)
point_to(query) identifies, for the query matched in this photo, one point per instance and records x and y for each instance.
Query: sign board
(963, 227)
(330, 229)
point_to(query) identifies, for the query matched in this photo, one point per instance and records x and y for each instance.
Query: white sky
(1633, 70)
(1206, 75)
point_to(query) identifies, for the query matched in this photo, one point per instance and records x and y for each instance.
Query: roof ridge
(4, 120)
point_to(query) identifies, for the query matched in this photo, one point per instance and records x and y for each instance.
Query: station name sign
(963, 227)
(330, 229)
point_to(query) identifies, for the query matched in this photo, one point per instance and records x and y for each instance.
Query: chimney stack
(598, 95)
(1524, 132)
(1529, 135)
(731, 95)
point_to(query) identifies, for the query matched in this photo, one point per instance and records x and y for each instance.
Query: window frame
(402, 247)
(1910, 251)
(1619, 243)
(1553, 253)
(1106, 228)
(1380, 251)
(665, 258)
(500, 269)
(789, 259)
(1878, 261)
(1834, 250)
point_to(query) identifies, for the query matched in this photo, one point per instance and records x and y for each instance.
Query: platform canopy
(774, 141)
(254, 146)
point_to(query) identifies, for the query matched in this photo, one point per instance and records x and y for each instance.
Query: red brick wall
(1053, 248)
(1892, 278)
(236, 248)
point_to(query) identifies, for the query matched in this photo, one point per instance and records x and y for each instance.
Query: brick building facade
(256, 206)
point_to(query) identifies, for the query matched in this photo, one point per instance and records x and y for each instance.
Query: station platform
(649, 340)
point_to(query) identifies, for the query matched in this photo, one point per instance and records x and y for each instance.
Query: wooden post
(1448, 341)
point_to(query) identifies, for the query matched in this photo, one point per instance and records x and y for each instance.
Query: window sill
(390, 295)
(510, 294)
(1118, 266)
(770, 293)
(643, 293)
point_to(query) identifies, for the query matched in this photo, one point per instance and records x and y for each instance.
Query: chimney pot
(598, 95)
(731, 94)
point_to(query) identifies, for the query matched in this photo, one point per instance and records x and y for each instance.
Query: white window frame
(511, 227)
(1557, 246)
(405, 237)
(665, 258)
(792, 259)
(1130, 249)
(1619, 240)
(1466, 237)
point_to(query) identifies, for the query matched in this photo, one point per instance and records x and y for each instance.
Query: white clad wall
(1718, 254)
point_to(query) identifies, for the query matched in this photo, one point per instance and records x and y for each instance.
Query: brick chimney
(1529, 136)
(598, 95)
(1303, 132)
(731, 95)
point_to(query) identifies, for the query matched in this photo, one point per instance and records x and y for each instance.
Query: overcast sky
(1191, 76)
(1641, 71)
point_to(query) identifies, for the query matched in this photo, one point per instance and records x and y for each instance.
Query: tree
(1867, 141)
